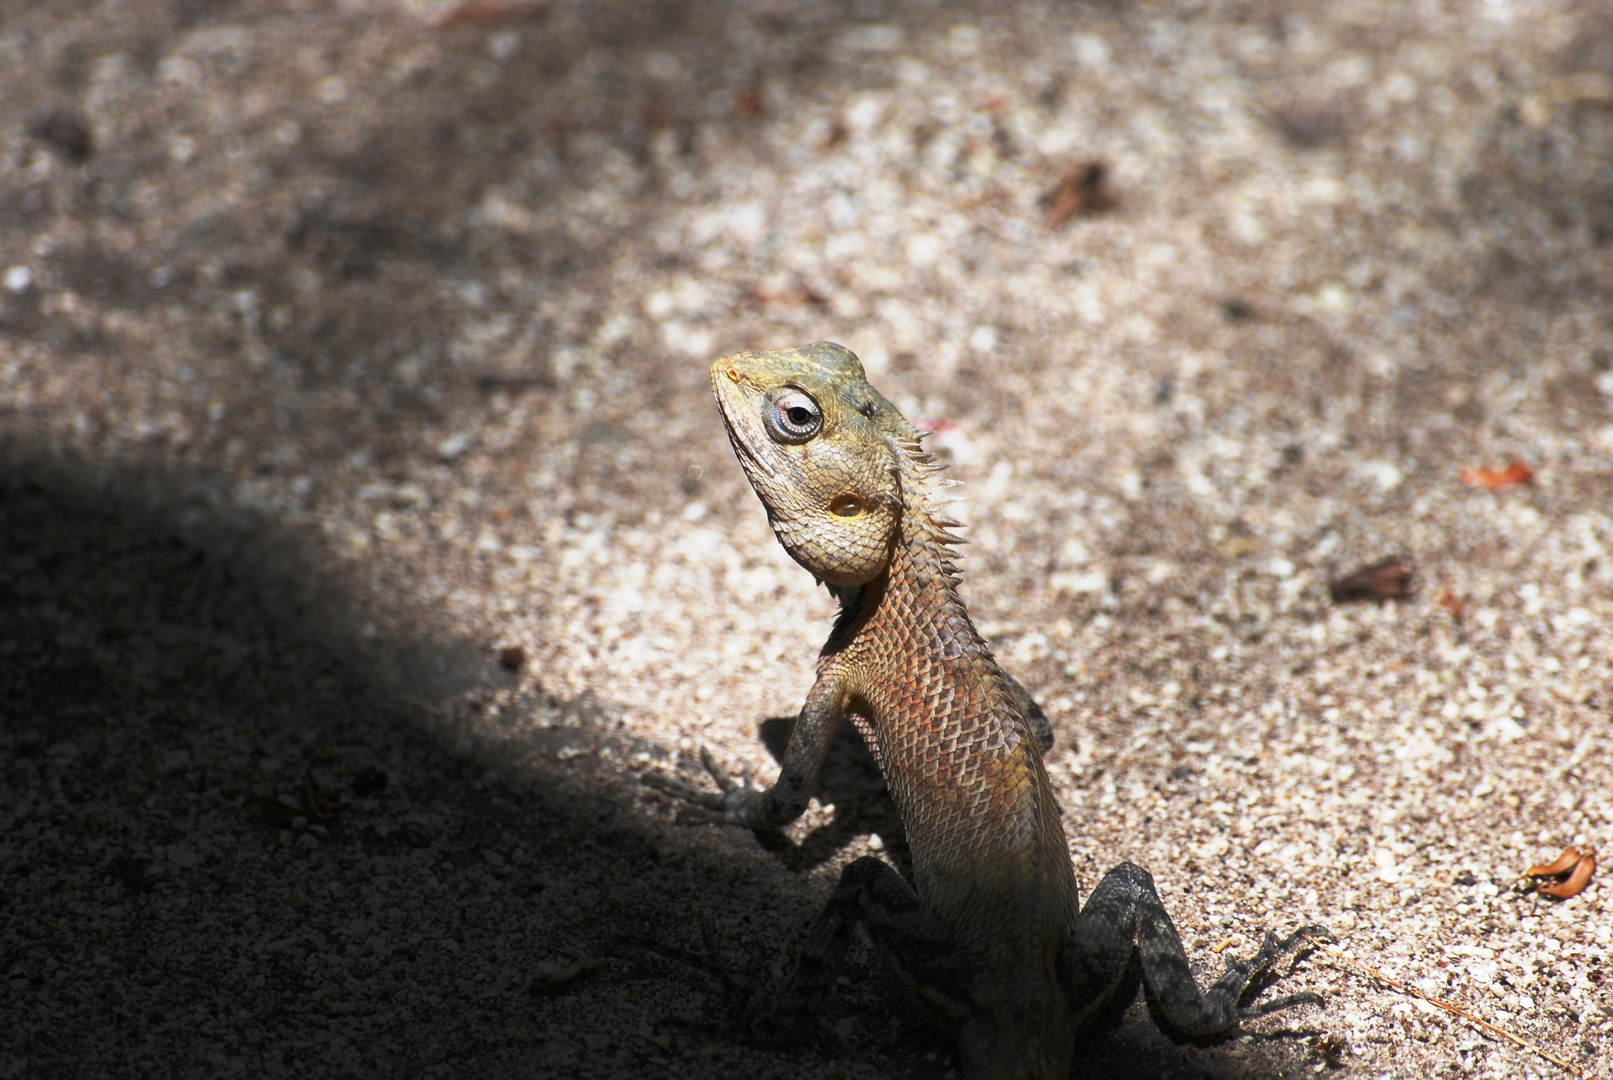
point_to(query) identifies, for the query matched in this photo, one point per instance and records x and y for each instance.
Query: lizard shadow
(852, 783)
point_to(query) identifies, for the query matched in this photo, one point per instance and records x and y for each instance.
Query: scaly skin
(990, 935)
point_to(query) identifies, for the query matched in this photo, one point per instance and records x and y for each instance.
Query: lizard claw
(669, 785)
(1270, 949)
(720, 775)
(1278, 1004)
(734, 804)
(1273, 947)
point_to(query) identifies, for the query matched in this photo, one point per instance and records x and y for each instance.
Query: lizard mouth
(735, 419)
(746, 454)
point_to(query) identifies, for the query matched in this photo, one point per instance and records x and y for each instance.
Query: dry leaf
(1388, 579)
(487, 11)
(1452, 604)
(750, 101)
(1084, 189)
(1573, 868)
(792, 297)
(1491, 479)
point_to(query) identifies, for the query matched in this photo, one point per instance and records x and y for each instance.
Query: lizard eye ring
(792, 416)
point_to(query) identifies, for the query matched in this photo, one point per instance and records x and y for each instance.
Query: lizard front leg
(1123, 919)
(739, 803)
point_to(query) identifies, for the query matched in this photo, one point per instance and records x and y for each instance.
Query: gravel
(366, 528)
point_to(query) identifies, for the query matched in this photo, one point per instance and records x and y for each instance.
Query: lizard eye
(793, 417)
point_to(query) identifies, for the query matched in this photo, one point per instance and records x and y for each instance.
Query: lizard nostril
(846, 506)
(733, 375)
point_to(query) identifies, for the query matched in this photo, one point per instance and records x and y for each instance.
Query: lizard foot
(734, 803)
(750, 1010)
(1271, 949)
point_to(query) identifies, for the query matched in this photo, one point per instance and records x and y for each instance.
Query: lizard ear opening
(846, 506)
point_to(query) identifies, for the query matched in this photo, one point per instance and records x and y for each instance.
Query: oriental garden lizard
(990, 935)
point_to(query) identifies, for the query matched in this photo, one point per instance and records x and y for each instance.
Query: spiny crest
(924, 512)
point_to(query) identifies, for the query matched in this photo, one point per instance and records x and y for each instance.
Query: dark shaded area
(166, 689)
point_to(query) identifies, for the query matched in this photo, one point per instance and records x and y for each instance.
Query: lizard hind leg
(1124, 918)
(870, 892)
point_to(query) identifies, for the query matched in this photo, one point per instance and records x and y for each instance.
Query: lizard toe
(1278, 1004)
(688, 793)
(720, 775)
(1310, 934)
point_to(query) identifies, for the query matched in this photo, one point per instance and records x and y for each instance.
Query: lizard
(990, 936)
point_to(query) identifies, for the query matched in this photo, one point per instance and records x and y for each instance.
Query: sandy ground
(366, 528)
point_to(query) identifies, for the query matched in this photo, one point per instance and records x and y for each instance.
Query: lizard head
(815, 440)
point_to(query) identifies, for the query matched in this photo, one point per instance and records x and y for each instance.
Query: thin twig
(1447, 1006)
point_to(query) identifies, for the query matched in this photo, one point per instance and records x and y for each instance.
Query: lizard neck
(919, 587)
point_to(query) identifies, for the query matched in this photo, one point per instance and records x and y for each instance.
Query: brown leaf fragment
(467, 12)
(1575, 883)
(1387, 579)
(1513, 475)
(658, 114)
(1083, 189)
(1573, 868)
(271, 812)
(1560, 865)
(1452, 604)
(794, 296)
(750, 101)
(562, 978)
